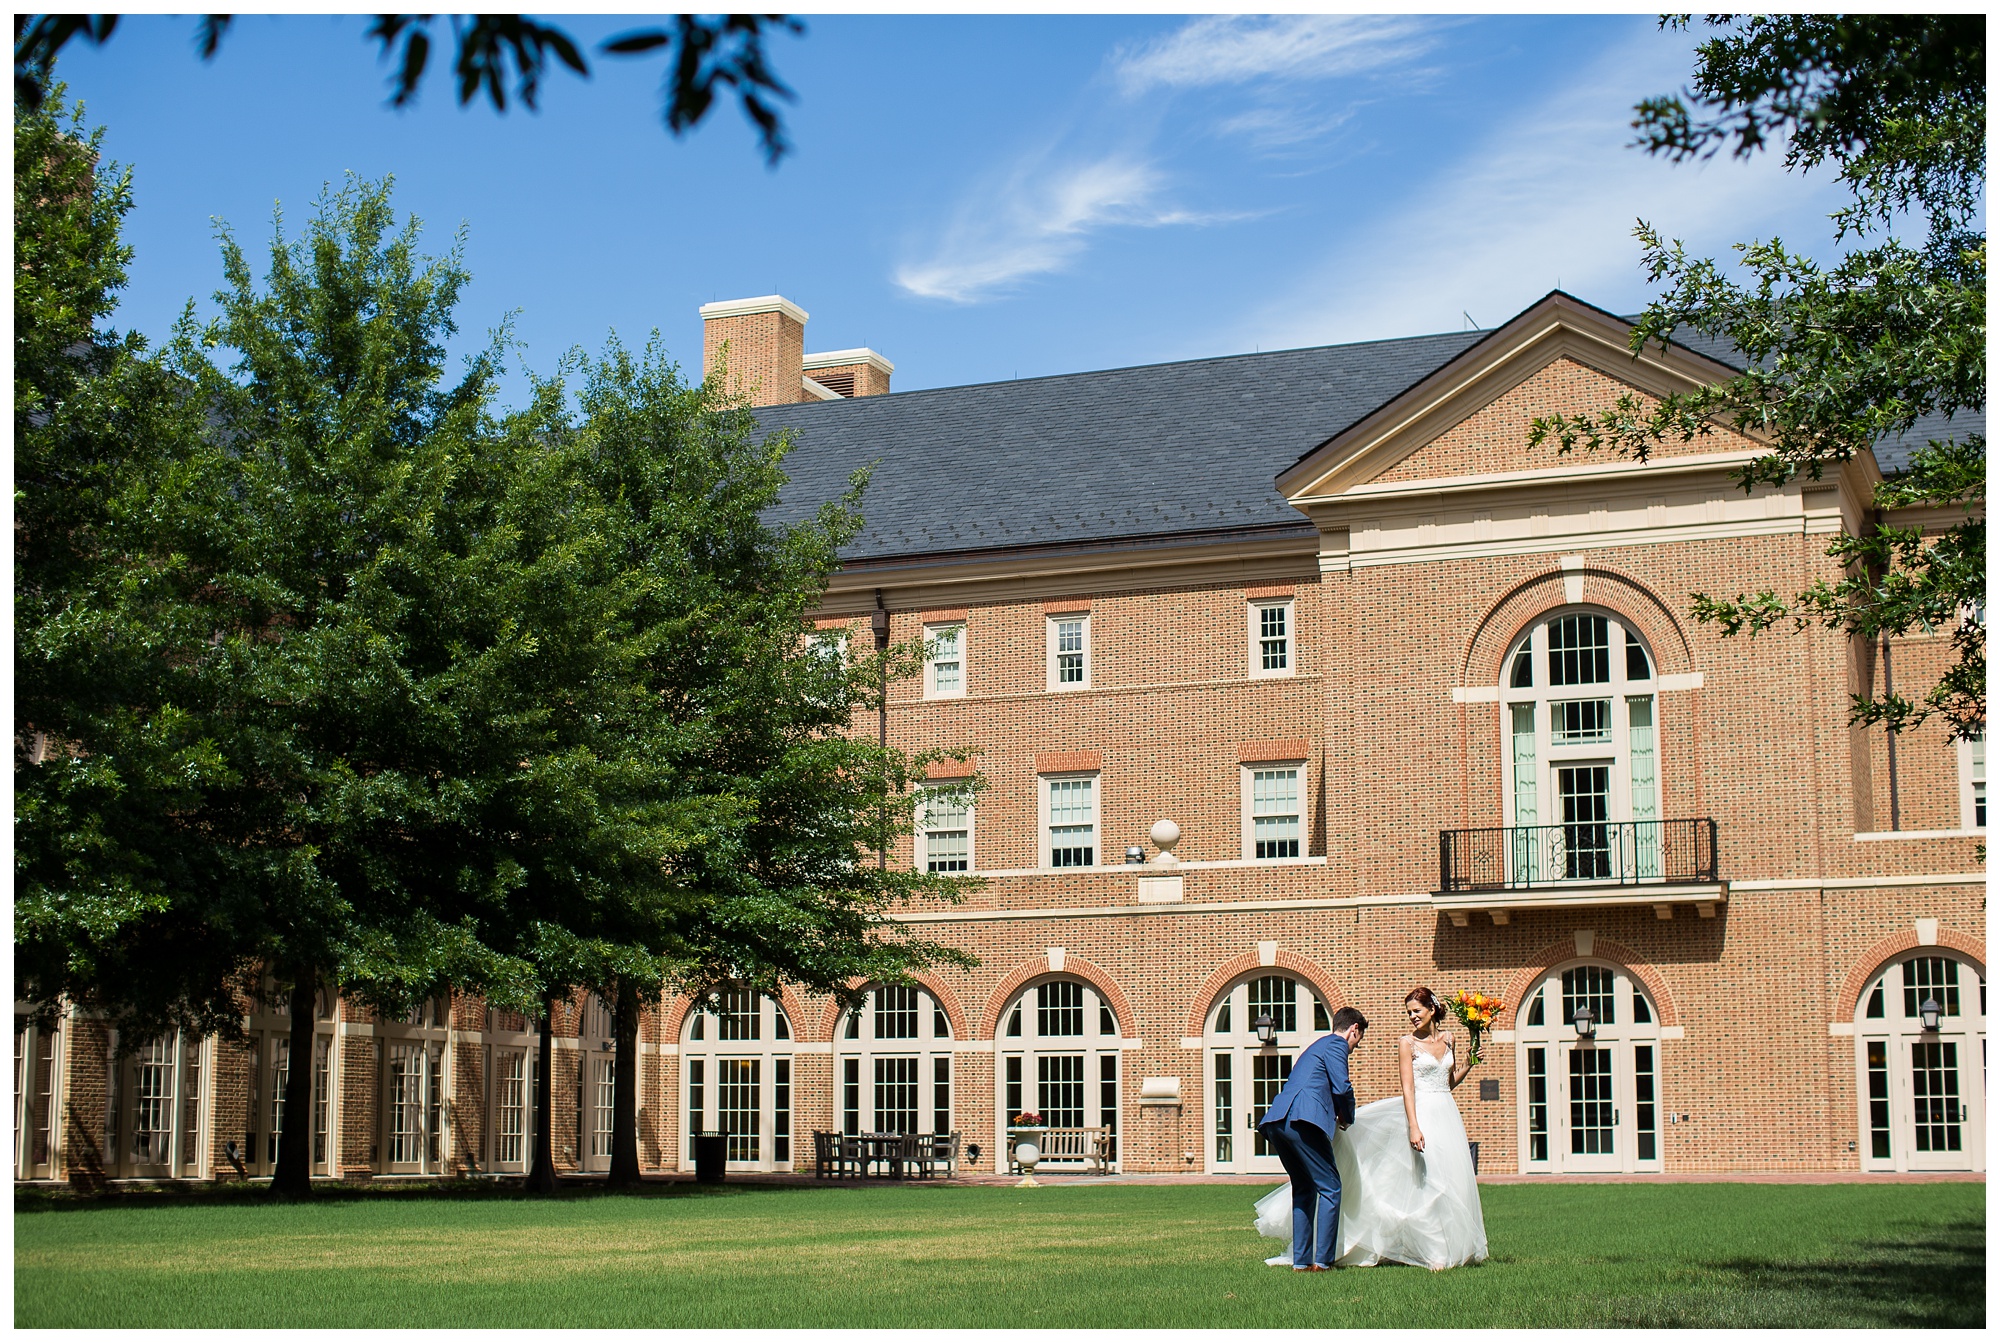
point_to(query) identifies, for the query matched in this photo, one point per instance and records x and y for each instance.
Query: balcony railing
(1594, 853)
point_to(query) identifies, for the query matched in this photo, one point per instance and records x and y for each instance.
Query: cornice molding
(750, 307)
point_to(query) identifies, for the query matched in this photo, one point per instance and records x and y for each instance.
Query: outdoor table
(886, 1148)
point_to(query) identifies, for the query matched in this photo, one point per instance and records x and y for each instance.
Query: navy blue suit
(1317, 1098)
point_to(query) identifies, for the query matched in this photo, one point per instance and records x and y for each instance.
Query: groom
(1316, 1099)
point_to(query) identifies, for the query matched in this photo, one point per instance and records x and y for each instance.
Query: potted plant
(1024, 1141)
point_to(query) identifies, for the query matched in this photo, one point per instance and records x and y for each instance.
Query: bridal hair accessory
(1475, 1011)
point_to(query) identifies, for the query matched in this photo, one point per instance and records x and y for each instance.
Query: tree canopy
(1840, 356)
(706, 53)
(333, 672)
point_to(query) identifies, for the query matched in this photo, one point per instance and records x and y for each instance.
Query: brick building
(1426, 707)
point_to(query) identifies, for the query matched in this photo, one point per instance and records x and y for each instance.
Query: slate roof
(1120, 454)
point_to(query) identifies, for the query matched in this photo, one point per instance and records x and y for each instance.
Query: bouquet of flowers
(1475, 1011)
(1027, 1119)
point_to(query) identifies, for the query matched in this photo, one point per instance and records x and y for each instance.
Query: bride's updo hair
(1420, 994)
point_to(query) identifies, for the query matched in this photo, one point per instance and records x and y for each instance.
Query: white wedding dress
(1398, 1205)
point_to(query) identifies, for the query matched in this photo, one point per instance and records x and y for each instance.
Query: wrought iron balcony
(1584, 854)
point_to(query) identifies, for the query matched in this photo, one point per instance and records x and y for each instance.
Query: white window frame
(1255, 628)
(1246, 786)
(1055, 623)
(923, 854)
(1557, 1039)
(769, 1049)
(1045, 822)
(1030, 1046)
(1971, 782)
(854, 1040)
(1240, 1043)
(932, 633)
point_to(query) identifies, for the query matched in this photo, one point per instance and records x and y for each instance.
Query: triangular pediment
(1468, 421)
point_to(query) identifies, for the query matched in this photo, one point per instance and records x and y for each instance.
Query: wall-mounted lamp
(1135, 853)
(1930, 1012)
(1585, 1022)
(1267, 1029)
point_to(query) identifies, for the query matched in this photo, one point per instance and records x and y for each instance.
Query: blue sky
(977, 198)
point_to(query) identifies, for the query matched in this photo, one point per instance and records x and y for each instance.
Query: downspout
(1889, 690)
(879, 622)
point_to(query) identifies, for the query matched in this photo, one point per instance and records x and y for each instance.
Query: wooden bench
(1095, 1147)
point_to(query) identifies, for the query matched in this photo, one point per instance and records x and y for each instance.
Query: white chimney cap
(745, 307)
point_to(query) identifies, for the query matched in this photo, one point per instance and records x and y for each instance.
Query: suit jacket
(1317, 1092)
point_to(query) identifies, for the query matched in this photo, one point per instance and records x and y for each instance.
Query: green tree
(710, 814)
(1840, 356)
(705, 52)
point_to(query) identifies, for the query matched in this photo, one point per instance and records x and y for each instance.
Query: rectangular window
(1013, 1086)
(1878, 1099)
(322, 1116)
(1225, 1108)
(513, 1098)
(944, 661)
(434, 1112)
(1069, 652)
(1934, 977)
(736, 1107)
(1072, 822)
(947, 835)
(738, 1015)
(896, 1095)
(1591, 985)
(1591, 1114)
(781, 1111)
(1059, 1089)
(606, 1107)
(281, 1058)
(1576, 722)
(896, 1013)
(1523, 858)
(1276, 996)
(1271, 639)
(406, 1114)
(850, 1096)
(1579, 650)
(153, 1104)
(940, 1095)
(1972, 783)
(1274, 813)
(1538, 1105)
(1059, 1008)
(1107, 1099)
(1934, 1095)
(1645, 785)
(695, 1090)
(1644, 1105)
(1267, 1078)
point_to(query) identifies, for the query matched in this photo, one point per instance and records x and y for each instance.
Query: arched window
(1588, 1103)
(1058, 1056)
(893, 1063)
(736, 1078)
(1243, 1073)
(416, 1076)
(1579, 714)
(1922, 1093)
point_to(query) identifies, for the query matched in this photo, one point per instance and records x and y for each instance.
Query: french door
(1588, 1104)
(1922, 1092)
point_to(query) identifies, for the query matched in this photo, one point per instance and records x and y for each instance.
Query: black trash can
(1475, 1156)
(711, 1152)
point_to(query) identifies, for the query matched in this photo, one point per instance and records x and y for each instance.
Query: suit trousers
(1307, 1151)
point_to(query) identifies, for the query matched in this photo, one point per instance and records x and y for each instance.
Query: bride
(1407, 1192)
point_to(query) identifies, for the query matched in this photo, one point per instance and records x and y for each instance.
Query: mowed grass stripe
(916, 1256)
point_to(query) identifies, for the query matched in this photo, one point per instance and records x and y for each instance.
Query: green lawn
(1905, 1256)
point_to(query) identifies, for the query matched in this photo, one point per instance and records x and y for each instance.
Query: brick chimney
(767, 347)
(767, 360)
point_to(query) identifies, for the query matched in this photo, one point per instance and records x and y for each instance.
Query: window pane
(1576, 721)
(1273, 638)
(1579, 650)
(1523, 675)
(1072, 823)
(1069, 651)
(1934, 977)
(1277, 996)
(1274, 812)
(1059, 1008)
(1637, 667)
(896, 1013)
(1591, 985)
(739, 1015)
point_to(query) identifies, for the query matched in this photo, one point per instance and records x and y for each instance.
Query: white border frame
(1254, 660)
(921, 858)
(1052, 621)
(931, 632)
(1967, 821)
(1244, 771)
(1044, 847)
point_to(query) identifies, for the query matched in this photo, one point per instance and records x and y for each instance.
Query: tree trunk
(625, 1093)
(542, 1170)
(293, 1178)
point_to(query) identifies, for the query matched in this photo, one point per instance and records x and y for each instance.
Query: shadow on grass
(1933, 1278)
(57, 1200)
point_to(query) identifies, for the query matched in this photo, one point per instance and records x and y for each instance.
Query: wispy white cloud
(1549, 197)
(1238, 49)
(1036, 220)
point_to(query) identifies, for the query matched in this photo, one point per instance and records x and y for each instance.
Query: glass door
(1245, 1075)
(1588, 1104)
(1922, 1092)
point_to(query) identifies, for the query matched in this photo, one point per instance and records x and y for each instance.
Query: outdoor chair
(853, 1156)
(826, 1153)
